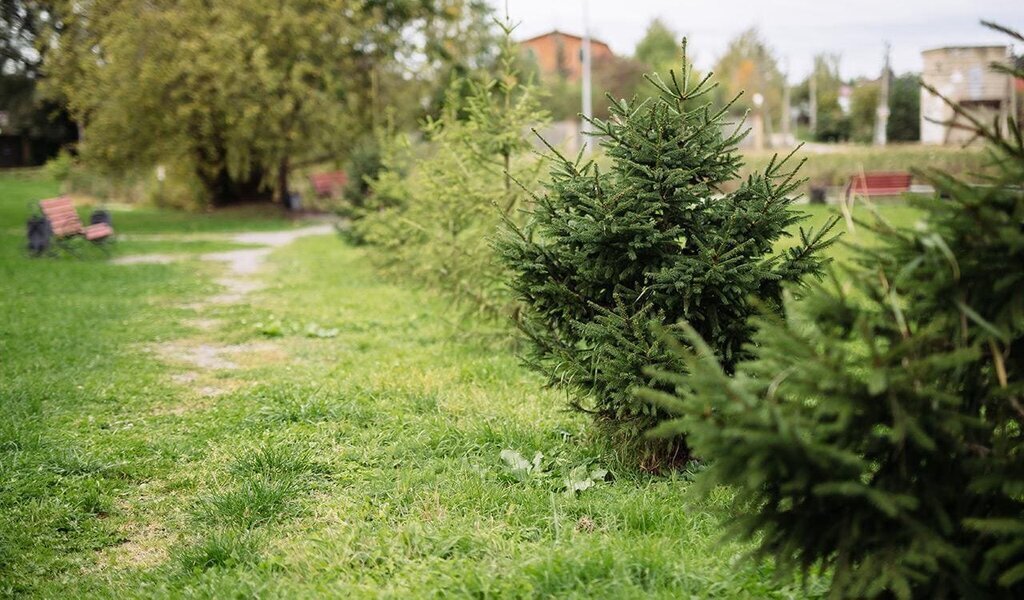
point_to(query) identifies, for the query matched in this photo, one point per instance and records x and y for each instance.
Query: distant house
(560, 54)
(964, 75)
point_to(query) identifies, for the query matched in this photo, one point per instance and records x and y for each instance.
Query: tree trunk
(281, 188)
(222, 190)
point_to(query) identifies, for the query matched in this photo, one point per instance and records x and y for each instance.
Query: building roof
(564, 34)
(948, 48)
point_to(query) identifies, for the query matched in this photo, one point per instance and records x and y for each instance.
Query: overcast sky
(795, 29)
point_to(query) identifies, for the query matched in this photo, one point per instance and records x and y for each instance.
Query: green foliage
(464, 41)
(904, 124)
(658, 52)
(43, 123)
(393, 185)
(225, 548)
(613, 76)
(658, 49)
(431, 216)
(59, 167)
(619, 79)
(905, 108)
(363, 166)
(562, 98)
(607, 257)
(180, 189)
(833, 125)
(864, 111)
(236, 90)
(19, 26)
(877, 429)
(403, 491)
(840, 163)
(749, 65)
(616, 76)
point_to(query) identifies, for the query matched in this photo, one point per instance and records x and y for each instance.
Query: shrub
(433, 211)
(905, 103)
(362, 167)
(877, 429)
(59, 167)
(607, 257)
(180, 189)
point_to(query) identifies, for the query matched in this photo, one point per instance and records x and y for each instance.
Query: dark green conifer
(667, 233)
(878, 430)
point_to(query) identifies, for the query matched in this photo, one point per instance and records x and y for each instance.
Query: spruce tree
(666, 234)
(436, 208)
(878, 429)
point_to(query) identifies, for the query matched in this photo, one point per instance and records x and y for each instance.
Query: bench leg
(105, 245)
(68, 246)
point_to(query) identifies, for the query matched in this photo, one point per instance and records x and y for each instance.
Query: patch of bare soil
(148, 259)
(197, 355)
(204, 362)
(203, 324)
(203, 356)
(146, 545)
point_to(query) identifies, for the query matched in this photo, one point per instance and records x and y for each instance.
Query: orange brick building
(560, 54)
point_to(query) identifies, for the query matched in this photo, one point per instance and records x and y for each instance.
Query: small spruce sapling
(450, 198)
(607, 257)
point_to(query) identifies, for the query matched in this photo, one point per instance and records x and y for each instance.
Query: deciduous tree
(238, 90)
(749, 66)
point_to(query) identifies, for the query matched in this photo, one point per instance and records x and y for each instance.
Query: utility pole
(758, 99)
(1012, 115)
(882, 114)
(785, 106)
(812, 85)
(588, 109)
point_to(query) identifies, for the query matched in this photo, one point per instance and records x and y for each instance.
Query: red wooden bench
(328, 185)
(880, 183)
(65, 224)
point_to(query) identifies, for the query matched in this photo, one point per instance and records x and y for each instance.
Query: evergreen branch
(1003, 29)
(554, 151)
(976, 125)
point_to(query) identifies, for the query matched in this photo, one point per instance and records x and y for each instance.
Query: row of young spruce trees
(869, 416)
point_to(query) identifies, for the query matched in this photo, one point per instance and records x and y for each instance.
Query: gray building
(963, 75)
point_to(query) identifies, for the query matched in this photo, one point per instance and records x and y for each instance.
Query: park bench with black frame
(66, 226)
(329, 184)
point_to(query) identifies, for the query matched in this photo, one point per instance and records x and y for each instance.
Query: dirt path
(200, 364)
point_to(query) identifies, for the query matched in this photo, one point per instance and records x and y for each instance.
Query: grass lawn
(353, 448)
(834, 164)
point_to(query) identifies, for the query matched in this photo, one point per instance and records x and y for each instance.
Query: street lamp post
(758, 121)
(588, 109)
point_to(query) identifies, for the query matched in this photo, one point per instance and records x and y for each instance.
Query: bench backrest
(328, 184)
(881, 183)
(61, 214)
